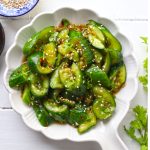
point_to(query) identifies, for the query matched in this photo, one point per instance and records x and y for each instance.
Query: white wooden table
(132, 19)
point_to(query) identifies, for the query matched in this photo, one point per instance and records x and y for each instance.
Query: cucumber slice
(105, 104)
(43, 62)
(37, 64)
(96, 32)
(102, 92)
(50, 53)
(98, 76)
(53, 37)
(85, 126)
(64, 48)
(63, 35)
(59, 59)
(39, 85)
(19, 76)
(71, 77)
(95, 42)
(103, 108)
(58, 112)
(107, 63)
(81, 44)
(68, 52)
(115, 56)
(117, 76)
(112, 41)
(26, 95)
(37, 40)
(43, 116)
(55, 80)
(77, 116)
(97, 57)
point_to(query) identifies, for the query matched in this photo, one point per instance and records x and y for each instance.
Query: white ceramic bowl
(105, 132)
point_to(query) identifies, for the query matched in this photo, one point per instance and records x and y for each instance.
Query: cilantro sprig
(144, 78)
(138, 129)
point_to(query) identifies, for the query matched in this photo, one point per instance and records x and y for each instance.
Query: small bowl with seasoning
(15, 8)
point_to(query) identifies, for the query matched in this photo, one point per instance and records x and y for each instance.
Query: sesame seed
(14, 3)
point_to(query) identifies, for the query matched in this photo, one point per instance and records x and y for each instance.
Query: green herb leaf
(144, 79)
(145, 65)
(144, 39)
(138, 127)
(144, 147)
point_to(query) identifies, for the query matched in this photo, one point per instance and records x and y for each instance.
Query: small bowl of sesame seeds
(15, 8)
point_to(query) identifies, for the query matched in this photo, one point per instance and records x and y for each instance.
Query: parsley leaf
(144, 39)
(144, 78)
(138, 129)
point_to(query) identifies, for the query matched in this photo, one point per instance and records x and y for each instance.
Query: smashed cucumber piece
(88, 124)
(26, 95)
(55, 82)
(107, 63)
(71, 78)
(111, 41)
(39, 85)
(96, 37)
(117, 76)
(58, 112)
(77, 115)
(42, 114)
(80, 43)
(19, 76)
(37, 40)
(104, 104)
(43, 62)
(98, 76)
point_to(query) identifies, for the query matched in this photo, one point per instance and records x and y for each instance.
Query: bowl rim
(118, 31)
(7, 16)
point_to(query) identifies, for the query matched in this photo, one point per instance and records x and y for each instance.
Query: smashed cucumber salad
(70, 74)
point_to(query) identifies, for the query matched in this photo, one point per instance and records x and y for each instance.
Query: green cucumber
(59, 59)
(107, 63)
(115, 56)
(26, 95)
(55, 82)
(58, 112)
(49, 53)
(42, 114)
(104, 104)
(98, 76)
(81, 44)
(39, 85)
(77, 115)
(19, 76)
(97, 57)
(117, 76)
(67, 51)
(112, 41)
(95, 42)
(63, 35)
(43, 62)
(37, 40)
(71, 78)
(85, 126)
(96, 37)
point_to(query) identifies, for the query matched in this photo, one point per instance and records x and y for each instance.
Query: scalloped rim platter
(105, 132)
